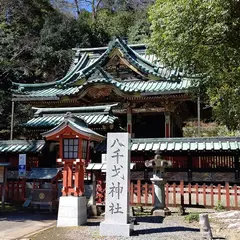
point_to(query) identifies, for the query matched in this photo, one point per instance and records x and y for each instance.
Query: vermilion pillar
(167, 124)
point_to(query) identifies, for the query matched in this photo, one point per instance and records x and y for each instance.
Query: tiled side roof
(21, 146)
(43, 173)
(180, 144)
(51, 117)
(52, 121)
(186, 144)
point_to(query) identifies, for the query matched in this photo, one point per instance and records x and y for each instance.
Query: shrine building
(122, 88)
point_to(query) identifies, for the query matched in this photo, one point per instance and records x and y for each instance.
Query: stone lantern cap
(158, 162)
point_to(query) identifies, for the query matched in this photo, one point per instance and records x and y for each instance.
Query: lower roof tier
(51, 117)
(229, 144)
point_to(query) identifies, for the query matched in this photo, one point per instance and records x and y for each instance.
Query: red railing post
(227, 195)
(197, 200)
(167, 196)
(174, 194)
(131, 193)
(189, 194)
(204, 195)
(212, 196)
(219, 193)
(138, 191)
(235, 195)
(182, 192)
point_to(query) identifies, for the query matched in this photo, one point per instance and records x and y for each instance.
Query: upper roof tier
(125, 68)
(93, 116)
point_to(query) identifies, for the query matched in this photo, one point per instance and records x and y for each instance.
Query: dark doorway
(50, 153)
(149, 126)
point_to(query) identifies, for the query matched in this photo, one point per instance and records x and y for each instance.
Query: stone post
(205, 226)
(116, 221)
(159, 191)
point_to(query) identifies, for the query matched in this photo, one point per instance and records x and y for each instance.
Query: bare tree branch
(77, 6)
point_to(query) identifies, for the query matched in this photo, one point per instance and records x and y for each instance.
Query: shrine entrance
(148, 125)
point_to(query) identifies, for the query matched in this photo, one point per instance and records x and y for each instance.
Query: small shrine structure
(45, 187)
(74, 140)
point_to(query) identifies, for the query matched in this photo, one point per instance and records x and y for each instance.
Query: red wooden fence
(15, 191)
(142, 194)
(188, 195)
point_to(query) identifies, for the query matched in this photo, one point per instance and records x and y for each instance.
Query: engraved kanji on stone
(116, 189)
(115, 209)
(117, 156)
(117, 171)
(118, 142)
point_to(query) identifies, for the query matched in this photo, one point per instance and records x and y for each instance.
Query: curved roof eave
(76, 68)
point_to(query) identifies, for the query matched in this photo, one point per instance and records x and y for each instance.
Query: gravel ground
(172, 227)
(151, 227)
(148, 227)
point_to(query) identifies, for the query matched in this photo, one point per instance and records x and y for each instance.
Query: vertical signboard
(22, 165)
(117, 186)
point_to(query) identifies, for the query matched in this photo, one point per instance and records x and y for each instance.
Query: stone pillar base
(92, 210)
(160, 212)
(72, 211)
(115, 229)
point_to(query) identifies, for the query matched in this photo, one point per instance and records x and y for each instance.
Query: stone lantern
(159, 165)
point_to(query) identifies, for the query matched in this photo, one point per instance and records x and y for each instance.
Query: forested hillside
(36, 38)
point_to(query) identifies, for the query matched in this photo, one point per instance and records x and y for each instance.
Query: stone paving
(20, 224)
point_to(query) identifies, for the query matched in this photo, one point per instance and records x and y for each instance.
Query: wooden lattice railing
(15, 191)
(188, 194)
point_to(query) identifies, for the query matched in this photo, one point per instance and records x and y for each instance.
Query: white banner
(22, 165)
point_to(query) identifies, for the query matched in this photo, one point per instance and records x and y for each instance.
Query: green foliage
(219, 206)
(139, 31)
(37, 37)
(202, 37)
(208, 130)
(192, 217)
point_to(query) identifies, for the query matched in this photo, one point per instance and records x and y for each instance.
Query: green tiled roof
(52, 121)
(51, 117)
(4, 164)
(77, 125)
(43, 173)
(142, 87)
(186, 144)
(21, 146)
(87, 69)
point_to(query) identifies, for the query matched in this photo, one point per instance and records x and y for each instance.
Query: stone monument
(116, 222)
(158, 164)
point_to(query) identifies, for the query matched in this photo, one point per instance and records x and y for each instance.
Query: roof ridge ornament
(67, 116)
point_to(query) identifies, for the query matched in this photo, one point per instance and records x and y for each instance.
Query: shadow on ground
(24, 216)
(165, 229)
(150, 219)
